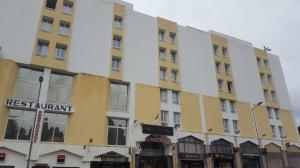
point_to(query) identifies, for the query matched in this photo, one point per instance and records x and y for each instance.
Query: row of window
(42, 48)
(227, 127)
(173, 53)
(266, 78)
(164, 96)
(221, 86)
(227, 68)
(225, 103)
(162, 36)
(165, 118)
(220, 51)
(262, 62)
(280, 131)
(270, 95)
(67, 6)
(47, 24)
(163, 74)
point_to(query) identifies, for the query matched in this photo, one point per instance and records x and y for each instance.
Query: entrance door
(223, 164)
(251, 163)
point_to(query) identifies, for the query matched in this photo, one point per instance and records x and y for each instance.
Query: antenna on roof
(267, 49)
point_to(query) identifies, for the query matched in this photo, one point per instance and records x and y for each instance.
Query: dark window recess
(51, 4)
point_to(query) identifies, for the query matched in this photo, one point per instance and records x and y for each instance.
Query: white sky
(274, 23)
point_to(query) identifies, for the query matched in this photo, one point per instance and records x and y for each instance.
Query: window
(19, 124)
(281, 133)
(176, 120)
(266, 94)
(174, 56)
(162, 53)
(226, 125)
(118, 21)
(60, 88)
(258, 61)
(117, 41)
(223, 105)
(51, 4)
(276, 111)
(225, 52)
(54, 127)
(273, 131)
(235, 124)
(221, 85)
(68, 7)
(163, 95)
(173, 37)
(42, 48)
(232, 106)
(190, 145)
(218, 67)
(61, 50)
(216, 50)
(227, 69)
(262, 77)
(64, 28)
(175, 75)
(164, 118)
(118, 97)
(175, 95)
(230, 86)
(117, 131)
(270, 79)
(27, 84)
(161, 35)
(47, 24)
(116, 62)
(270, 112)
(266, 63)
(274, 96)
(163, 73)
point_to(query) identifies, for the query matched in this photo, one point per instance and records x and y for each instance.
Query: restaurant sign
(30, 105)
(157, 130)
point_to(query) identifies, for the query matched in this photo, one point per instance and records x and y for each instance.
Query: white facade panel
(141, 55)
(245, 71)
(19, 24)
(279, 82)
(197, 65)
(91, 38)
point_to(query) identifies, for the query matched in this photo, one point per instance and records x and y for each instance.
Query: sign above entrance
(157, 130)
(24, 104)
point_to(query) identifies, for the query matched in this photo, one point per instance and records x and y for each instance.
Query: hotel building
(107, 86)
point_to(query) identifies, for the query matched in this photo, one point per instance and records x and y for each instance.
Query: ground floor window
(54, 127)
(117, 131)
(19, 124)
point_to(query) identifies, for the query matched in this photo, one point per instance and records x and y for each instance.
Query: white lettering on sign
(15, 103)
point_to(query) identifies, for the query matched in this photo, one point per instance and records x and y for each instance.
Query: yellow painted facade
(213, 115)
(190, 112)
(147, 104)
(245, 120)
(8, 75)
(90, 98)
(288, 123)
(118, 11)
(169, 27)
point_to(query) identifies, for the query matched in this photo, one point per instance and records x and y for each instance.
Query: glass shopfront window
(60, 88)
(54, 127)
(19, 125)
(117, 131)
(27, 84)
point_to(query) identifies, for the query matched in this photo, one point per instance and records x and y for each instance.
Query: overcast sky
(274, 23)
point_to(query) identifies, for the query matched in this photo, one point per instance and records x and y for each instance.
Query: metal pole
(257, 135)
(34, 123)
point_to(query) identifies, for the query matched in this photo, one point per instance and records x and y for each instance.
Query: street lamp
(34, 123)
(256, 131)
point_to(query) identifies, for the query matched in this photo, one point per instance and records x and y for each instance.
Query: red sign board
(2, 156)
(37, 127)
(61, 158)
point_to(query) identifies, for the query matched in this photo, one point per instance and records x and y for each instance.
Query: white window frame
(174, 56)
(163, 73)
(61, 51)
(161, 34)
(270, 112)
(118, 127)
(162, 53)
(116, 63)
(236, 128)
(216, 50)
(118, 21)
(225, 52)
(221, 85)
(232, 106)
(42, 47)
(60, 86)
(277, 114)
(172, 38)
(68, 7)
(218, 66)
(47, 24)
(64, 28)
(274, 132)
(230, 86)
(226, 125)
(175, 97)
(175, 76)
(117, 42)
(177, 124)
(223, 105)
(163, 95)
(164, 118)
(227, 69)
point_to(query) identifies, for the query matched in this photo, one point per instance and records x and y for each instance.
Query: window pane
(122, 136)
(55, 79)
(53, 93)
(65, 94)
(114, 101)
(112, 136)
(12, 129)
(21, 89)
(25, 130)
(47, 131)
(59, 133)
(122, 103)
(33, 91)
(24, 74)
